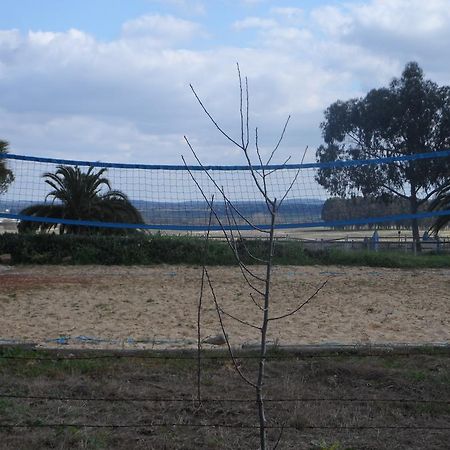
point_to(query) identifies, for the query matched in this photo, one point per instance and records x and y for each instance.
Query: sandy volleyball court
(104, 306)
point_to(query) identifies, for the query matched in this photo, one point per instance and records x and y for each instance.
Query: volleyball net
(168, 197)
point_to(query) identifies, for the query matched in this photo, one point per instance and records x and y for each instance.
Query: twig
(238, 320)
(279, 141)
(279, 168)
(255, 302)
(302, 305)
(212, 119)
(230, 351)
(289, 188)
(232, 244)
(279, 436)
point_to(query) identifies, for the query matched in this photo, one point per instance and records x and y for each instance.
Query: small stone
(218, 339)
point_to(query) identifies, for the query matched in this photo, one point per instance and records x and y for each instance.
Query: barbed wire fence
(191, 399)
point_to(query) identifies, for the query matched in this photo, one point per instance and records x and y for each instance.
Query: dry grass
(385, 377)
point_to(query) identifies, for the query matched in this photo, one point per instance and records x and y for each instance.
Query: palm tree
(79, 195)
(6, 176)
(441, 202)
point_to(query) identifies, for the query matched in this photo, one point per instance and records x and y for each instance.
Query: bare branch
(261, 164)
(394, 191)
(230, 351)
(241, 239)
(257, 184)
(304, 154)
(241, 105)
(212, 119)
(249, 253)
(430, 194)
(242, 266)
(279, 168)
(232, 244)
(373, 153)
(302, 305)
(231, 241)
(287, 160)
(277, 443)
(247, 113)
(217, 187)
(255, 302)
(289, 188)
(238, 320)
(258, 291)
(279, 141)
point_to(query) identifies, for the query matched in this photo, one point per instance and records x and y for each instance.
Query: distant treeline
(335, 209)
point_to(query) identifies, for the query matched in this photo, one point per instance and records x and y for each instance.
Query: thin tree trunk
(263, 350)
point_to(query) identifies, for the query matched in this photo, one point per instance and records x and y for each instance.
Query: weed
(416, 375)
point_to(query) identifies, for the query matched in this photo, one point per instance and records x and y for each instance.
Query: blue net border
(328, 165)
(324, 224)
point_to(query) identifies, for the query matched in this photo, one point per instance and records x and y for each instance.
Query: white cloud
(394, 28)
(161, 31)
(192, 7)
(292, 15)
(252, 2)
(254, 22)
(70, 95)
(332, 20)
(67, 95)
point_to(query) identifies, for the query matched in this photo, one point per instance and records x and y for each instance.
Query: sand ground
(156, 307)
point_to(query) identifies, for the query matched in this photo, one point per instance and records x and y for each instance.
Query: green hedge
(127, 250)
(156, 249)
(136, 249)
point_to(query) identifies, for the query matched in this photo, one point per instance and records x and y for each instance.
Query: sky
(108, 80)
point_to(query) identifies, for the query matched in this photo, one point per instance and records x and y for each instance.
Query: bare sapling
(259, 283)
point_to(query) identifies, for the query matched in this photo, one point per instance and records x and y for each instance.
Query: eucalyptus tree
(6, 175)
(410, 116)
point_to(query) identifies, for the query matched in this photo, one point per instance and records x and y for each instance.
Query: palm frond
(441, 203)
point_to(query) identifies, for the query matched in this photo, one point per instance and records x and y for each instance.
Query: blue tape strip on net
(327, 165)
(329, 224)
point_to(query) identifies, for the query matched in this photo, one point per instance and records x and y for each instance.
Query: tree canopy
(78, 195)
(6, 175)
(411, 115)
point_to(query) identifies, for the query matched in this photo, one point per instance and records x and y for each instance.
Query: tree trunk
(415, 223)
(265, 324)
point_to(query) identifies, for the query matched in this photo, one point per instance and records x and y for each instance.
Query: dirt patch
(18, 281)
(155, 307)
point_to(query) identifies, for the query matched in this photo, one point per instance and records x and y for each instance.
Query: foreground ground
(156, 307)
(323, 401)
